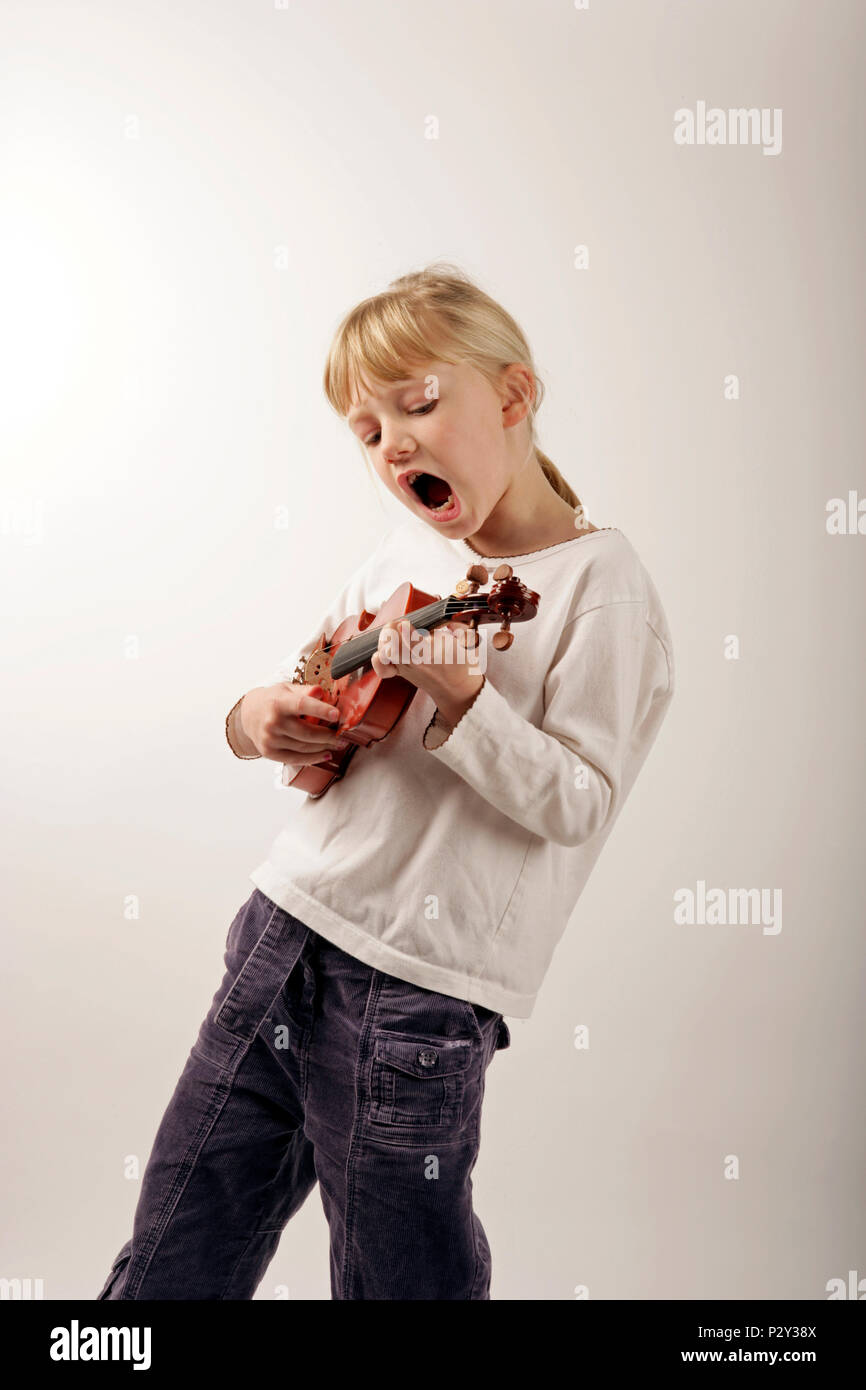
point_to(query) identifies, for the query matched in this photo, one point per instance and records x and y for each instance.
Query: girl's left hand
(440, 664)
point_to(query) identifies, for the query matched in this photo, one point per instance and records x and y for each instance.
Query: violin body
(370, 706)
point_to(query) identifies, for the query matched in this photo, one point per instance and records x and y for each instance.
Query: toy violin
(370, 706)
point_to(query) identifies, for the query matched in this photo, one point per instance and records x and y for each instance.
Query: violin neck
(357, 651)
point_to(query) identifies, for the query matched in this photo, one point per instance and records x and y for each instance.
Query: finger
(465, 634)
(381, 660)
(402, 626)
(385, 641)
(448, 638)
(309, 704)
(307, 760)
(304, 727)
(303, 737)
(383, 669)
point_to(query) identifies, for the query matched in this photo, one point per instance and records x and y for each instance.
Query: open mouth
(434, 494)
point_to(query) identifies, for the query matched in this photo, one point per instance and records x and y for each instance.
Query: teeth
(443, 506)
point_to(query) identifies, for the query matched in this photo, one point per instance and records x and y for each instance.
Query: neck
(526, 518)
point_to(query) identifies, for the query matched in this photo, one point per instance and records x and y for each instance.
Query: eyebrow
(395, 390)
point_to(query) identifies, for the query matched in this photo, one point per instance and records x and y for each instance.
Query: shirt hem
(350, 938)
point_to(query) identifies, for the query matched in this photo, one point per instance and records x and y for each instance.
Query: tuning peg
(504, 637)
(502, 572)
(475, 575)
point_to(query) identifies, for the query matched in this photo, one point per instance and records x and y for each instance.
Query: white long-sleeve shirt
(456, 867)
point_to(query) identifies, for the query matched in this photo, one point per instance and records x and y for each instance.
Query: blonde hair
(434, 314)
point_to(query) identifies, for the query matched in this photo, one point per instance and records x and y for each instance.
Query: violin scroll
(507, 599)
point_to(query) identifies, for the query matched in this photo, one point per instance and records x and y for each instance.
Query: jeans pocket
(416, 1084)
(488, 1024)
(251, 992)
(117, 1269)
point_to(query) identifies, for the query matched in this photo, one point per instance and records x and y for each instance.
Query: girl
(398, 918)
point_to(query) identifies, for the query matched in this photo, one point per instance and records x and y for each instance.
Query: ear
(517, 393)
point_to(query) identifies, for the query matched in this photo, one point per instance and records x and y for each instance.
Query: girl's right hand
(269, 717)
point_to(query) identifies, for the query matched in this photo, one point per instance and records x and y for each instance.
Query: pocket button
(428, 1058)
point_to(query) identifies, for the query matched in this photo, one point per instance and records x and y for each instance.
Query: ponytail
(556, 480)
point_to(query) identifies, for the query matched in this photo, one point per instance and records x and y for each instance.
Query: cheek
(470, 441)
(460, 445)
(392, 486)
(384, 475)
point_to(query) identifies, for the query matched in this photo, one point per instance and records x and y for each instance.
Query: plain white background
(194, 195)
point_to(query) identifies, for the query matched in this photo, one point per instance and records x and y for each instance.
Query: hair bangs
(382, 341)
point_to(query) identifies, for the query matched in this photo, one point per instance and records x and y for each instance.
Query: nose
(397, 446)
(397, 456)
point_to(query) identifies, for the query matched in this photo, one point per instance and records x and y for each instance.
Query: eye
(420, 410)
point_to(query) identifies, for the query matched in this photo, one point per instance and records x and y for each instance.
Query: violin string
(418, 613)
(416, 618)
(367, 642)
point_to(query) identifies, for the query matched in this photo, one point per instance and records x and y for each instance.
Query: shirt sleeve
(565, 780)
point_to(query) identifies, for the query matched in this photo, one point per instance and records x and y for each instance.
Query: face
(441, 434)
